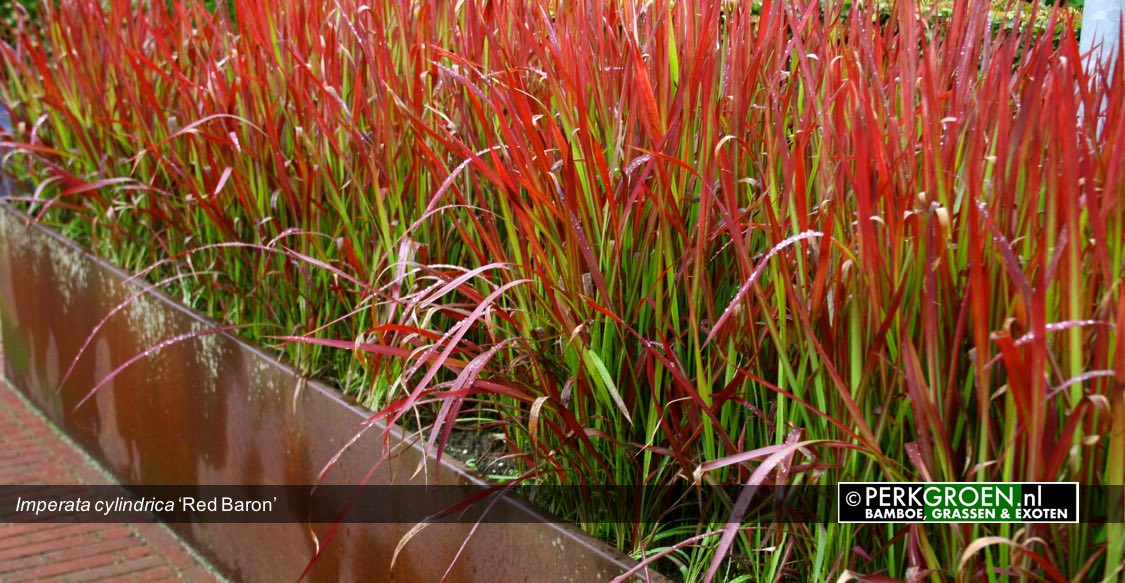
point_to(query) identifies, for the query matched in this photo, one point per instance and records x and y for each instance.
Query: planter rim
(451, 470)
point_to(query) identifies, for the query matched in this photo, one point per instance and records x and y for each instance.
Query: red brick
(118, 570)
(25, 456)
(10, 530)
(196, 575)
(155, 574)
(60, 532)
(22, 446)
(46, 547)
(111, 548)
(31, 453)
(58, 569)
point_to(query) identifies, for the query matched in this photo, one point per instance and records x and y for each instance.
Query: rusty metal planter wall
(215, 410)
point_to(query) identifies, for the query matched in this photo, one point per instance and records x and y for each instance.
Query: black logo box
(854, 501)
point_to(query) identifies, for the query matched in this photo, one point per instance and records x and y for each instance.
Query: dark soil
(482, 450)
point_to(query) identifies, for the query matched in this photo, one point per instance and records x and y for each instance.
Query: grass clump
(648, 242)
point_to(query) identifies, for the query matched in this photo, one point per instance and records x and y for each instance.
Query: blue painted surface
(6, 128)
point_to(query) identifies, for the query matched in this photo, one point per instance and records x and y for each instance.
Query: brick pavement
(32, 452)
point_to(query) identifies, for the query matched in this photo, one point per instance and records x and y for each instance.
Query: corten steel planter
(215, 410)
